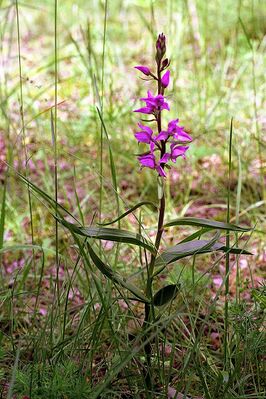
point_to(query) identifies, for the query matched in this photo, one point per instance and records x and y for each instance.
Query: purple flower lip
(178, 131)
(178, 151)
(162, 136)
(165, 158)
(145, 135)
(144, 110)
(147, 160)
(143, 69)
(183, 136)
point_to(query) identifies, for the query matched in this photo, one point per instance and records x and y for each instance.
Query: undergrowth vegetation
(78, 314)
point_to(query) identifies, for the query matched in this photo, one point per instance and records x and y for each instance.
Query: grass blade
(210, 224)
(151, 204)
(114, 276)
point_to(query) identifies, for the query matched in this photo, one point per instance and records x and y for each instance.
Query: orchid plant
(164, 146)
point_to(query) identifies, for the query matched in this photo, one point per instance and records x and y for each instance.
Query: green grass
(67, 92)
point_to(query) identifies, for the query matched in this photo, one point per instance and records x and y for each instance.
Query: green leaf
(190, 248)
(151, 204)
(165, 294)
(180, 251)
(195, 235)
(112, 163)
(109, 234)
(210, 224)
(233, 250)
(114, 276)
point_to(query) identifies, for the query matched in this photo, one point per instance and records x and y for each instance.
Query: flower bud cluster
(165, 145)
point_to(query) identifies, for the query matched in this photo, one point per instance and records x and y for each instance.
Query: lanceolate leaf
(210, 224)
(104, 233)
(180, 251)
(151, 204)
(115, 277)
(195, 235)
(165, 294)
(190, 248)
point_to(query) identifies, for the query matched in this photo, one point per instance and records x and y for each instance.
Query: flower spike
(167, 144)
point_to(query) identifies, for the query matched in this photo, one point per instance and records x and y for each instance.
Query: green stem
(149, 307)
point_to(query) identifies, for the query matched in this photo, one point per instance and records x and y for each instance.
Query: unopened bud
(160, 47)
(165, 79)
(165, 63)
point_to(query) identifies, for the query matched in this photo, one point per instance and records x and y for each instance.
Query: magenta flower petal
(146, 129)
(165, 158)
(182, 136)
(161, 171)
(172, 125)
(177, 151)
(155, 103)
(152, 146)
(165, 79)
(178, 131)
(165, 106)
(147, 160)
(143, 137)
(162, 136)
(143, 69)
(144, 110)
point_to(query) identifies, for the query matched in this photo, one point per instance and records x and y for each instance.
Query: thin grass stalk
(227, 258)
(141, 342)
(39, 286)
(258, 133)
(54, 123)
(55, 200)
(193, 27)
(238, 200)
(2, 222)
(255, 109)
(114, 178)
(3, 104)
(23, 121)
(67, 294)
(102, 108)
(13, 376)
(105, 303)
